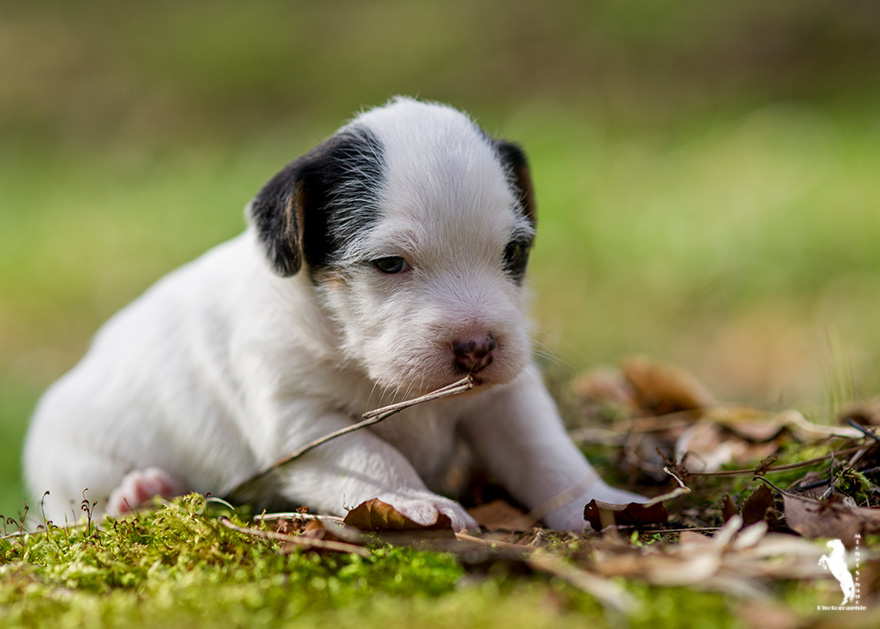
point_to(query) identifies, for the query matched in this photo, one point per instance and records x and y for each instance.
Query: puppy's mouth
(489, 359)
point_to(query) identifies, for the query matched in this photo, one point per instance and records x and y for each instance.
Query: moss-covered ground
(178, 567)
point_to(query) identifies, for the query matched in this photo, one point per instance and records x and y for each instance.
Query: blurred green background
(707, 172)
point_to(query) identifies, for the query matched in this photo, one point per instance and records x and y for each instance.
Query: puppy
(385, 263)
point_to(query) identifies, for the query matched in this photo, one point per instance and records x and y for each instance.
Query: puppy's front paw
(139, 487)
(425, 507)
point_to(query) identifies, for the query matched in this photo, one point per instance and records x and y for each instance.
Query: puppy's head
(415, 228)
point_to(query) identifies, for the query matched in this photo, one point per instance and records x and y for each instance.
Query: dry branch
(370, 418)
(305, 542)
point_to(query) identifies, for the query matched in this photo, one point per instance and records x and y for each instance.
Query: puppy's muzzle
(472, 355)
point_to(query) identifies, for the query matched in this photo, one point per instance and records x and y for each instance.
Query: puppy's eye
(391, 264)
(516, 256)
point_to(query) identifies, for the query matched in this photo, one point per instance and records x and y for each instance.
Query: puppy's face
(415, 228)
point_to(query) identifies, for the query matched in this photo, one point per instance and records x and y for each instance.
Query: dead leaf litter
(745, 499)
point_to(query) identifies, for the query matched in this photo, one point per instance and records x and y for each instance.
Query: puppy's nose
(474, 354)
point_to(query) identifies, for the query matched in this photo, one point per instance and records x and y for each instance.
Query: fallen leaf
(805, 430)
(602, 514)
(728, 507)
(380, 517)
(725, 535)
(604, 385)
(662, 389)
(811, 485)
(500, 515)
(759, 507)
(705, 448)
(747, 422)
(736, 560)
(830, 519)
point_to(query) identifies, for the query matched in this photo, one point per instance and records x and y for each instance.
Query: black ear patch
(317, 203)
(514, 159)
(276, 212)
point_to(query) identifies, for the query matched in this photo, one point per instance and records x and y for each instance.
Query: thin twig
(374, 417)
(295, 515)
(862, 429)
(371, 418)
(681, 490)
(305, 542)
(696, 529)
(779, 468)
(460, 386)
(779, 489)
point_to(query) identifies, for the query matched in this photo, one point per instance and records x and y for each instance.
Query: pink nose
(474, 354)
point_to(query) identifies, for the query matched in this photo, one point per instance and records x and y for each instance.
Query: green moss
(179, 567)
(178, 564)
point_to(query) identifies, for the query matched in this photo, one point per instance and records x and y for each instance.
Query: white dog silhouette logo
(835, 561)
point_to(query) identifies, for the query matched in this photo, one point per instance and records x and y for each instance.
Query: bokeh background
(708, 173)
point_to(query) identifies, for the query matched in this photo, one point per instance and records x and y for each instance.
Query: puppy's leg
(141, 486)
(64, 476)
(518, 433)
(339, 475)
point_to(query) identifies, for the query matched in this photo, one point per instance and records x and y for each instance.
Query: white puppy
(385, 263)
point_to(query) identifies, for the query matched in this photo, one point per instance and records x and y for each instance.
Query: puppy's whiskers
(542, 350)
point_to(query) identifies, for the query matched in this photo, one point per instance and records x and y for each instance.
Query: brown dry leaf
(604, 385)
(289, 527)
(805, 430)
(500, 515)
(748, 423)
(760, 507)
(380, 517)
(662, 389)
(704, 447)
(735, 560)
(810, 485)
(830, 519)
(728, 507)
(602, 514)
(331, 531)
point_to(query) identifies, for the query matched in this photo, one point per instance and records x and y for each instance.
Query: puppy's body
(395, 254)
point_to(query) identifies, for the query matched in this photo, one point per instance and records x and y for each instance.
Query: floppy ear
(277, 212)
(303, 213)
(514, 159)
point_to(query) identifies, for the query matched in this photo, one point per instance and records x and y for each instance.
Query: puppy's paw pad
(139, 487)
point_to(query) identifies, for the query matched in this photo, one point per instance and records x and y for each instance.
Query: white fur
(223, 366)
